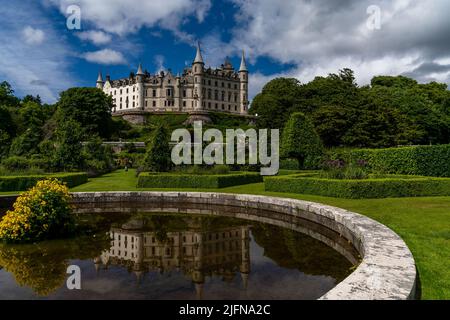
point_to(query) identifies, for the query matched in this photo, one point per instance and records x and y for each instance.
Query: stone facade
(197, 89)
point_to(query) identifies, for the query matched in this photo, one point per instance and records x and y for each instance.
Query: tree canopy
(391, 111)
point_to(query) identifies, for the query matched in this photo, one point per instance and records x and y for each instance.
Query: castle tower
(245, 256)
(197, 69)
(140, 87)
(243, 77)
(100, 82)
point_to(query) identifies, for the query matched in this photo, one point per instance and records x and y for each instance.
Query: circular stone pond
(178, 245)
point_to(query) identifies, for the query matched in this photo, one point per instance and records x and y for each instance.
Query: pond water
(159, 254)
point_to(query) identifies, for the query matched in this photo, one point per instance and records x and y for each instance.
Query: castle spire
(100, 77)
(198, 56)
(243, 63)
(140, 72)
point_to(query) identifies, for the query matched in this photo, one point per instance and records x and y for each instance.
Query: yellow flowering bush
(43, 212)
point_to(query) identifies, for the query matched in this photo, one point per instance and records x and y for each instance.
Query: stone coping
(387, 270)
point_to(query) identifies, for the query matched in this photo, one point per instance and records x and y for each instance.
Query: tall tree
(301, 141)
(157, 157)
(90, 107)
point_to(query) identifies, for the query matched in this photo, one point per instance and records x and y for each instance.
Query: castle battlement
(197, 89)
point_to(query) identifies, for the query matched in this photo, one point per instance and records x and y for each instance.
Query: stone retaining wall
(387, 270)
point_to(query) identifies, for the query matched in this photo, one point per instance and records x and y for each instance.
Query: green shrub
(289, 164)
(390, 186)
(157, 157)
(301, 141)
(21, 183)
(41, 213)
(431, 161)
(172, 180)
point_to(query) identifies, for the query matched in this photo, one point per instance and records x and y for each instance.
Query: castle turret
(100, 82)
(140, 87)
(197, 69)
(243, 77)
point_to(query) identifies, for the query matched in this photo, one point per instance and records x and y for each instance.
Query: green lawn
(424, 223)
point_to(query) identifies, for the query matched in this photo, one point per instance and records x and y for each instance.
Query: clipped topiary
(301, 141)
(157, 157)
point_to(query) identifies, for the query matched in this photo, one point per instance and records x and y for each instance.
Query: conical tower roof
(140, 72)
(198, 56)
(243, 66)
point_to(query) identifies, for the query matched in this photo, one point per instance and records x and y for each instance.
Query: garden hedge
(173, 180)
(21, 183)
(433, 161)
(395, 186)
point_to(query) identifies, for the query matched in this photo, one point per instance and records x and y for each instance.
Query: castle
(197, 90)
(198, 254)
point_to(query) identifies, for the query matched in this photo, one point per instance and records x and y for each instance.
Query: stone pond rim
(387, 270)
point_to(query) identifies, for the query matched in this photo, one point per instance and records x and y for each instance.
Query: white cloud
(33, 69)
(105, 56)
(96, 37)
(123, 17)
(33, 36)
(320, 37)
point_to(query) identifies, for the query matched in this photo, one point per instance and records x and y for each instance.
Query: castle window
(216, 105)
(235, 97)
(127, 90)
(209, 94)
(165, 103)
(215, 83)
(146, 103)
(216, 95)
(209, 105)
(223, 95)
(169, 92)
(229, 85)
(120, 91)
(154, 103)
(154, 93)
(229, 107)
(168, 81)
(235, 87)
(223, 106)
(209, 82)
(184, 103)
(235, 108)
(134, 104)
(204, 81)
(229, 96)
(184, 93)
(223, 85)
(134, 89)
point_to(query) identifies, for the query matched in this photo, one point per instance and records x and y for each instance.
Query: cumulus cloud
(33, 36)
(319, 37)
(96, 37)
(39, 64)
(105, 56)
(123, 17)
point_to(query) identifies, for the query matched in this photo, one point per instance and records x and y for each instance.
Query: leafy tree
(32, 119)
(157, 158)
(97, 157)
(90, 107)
(67, 155)
(301, 141)
(7, 97)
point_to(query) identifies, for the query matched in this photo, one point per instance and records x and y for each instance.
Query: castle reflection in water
(198, 253)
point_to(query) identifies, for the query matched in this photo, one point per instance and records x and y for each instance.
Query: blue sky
(294, 38)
